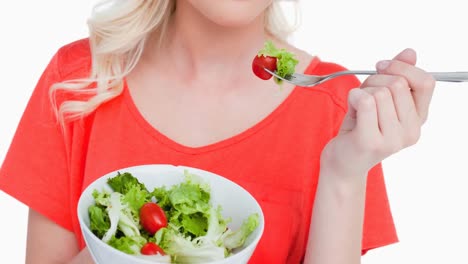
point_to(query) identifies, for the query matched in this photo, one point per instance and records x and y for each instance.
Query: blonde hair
(118, 32)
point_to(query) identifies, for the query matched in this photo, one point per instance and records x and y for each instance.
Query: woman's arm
(384, 116)
(48, 242)
(337, 225)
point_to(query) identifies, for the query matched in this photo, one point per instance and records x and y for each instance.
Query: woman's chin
(230, 13)
(234, 21)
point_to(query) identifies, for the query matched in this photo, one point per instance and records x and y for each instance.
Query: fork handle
(450, 76)
(438, 76)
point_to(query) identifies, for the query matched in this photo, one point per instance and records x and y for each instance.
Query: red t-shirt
(276, 160)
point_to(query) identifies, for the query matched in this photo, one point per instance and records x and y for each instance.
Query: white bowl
(236, 203)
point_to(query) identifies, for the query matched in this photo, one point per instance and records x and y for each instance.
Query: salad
(276, 60)
(170, 225)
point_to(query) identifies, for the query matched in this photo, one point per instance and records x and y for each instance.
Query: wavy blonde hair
(118, 32)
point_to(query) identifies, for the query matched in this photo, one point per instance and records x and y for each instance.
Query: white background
(427, 184)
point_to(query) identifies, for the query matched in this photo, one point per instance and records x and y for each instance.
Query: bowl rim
(86, 229)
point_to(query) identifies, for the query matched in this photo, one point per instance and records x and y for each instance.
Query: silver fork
(306, 80)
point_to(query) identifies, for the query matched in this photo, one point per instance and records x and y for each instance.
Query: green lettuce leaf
(235, 239)
(189, 198)
(120, 216)
(123, 182)
(135, 198)
(102, 198)
(162, 197)
(195, 224)
(286, 61)
(129, 245)
(186, 205)
(185, 250)
(99, 220)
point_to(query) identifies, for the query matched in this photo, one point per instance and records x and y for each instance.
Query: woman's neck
(197, 49)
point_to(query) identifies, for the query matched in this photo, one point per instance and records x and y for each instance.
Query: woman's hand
(383, 117)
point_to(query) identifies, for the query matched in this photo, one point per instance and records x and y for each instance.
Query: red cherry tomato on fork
(152, 217)
(259, 63)
(151, 248)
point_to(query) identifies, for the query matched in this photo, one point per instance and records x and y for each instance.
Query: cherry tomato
(152, 217)
(259, 63)
(151, 248)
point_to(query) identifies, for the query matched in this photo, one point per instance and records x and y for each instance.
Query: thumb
(407, 56)
(361, 115)
(350, 120)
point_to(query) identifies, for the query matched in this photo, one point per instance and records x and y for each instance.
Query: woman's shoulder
(74, 59)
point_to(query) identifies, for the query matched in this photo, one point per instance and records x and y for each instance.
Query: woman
(170, 82)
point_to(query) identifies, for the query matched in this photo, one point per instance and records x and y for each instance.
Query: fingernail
(382, 65)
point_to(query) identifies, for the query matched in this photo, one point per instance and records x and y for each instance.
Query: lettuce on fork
(286, 61)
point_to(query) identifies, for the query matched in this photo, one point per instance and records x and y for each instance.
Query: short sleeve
(379, 229)
(35, 167)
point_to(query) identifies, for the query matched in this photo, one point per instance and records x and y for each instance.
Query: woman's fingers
(363, 105)
(421, 83)
(401, 95)
(387, 117)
